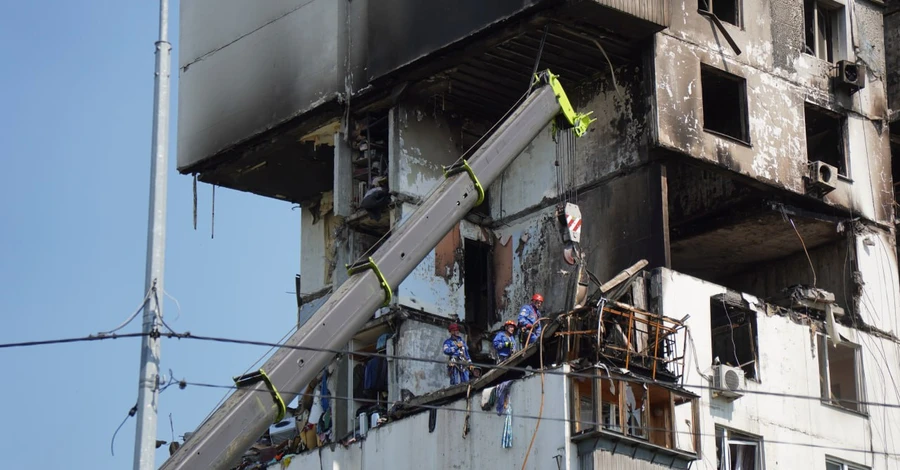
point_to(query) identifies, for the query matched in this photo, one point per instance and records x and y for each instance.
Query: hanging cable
(112, 442)
(130, 318)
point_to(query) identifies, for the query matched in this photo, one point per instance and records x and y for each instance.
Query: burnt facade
(741, 148)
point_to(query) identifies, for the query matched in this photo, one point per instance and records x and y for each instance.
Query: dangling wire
(212, 229)
(195, 201)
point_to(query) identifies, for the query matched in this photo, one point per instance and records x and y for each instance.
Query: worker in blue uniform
(528, 319)
(505, 342)
(460, 362)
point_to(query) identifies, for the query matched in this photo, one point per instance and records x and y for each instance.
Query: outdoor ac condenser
(727, 381)
(822, 178)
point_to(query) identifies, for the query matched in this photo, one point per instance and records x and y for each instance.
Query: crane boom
(222, 439)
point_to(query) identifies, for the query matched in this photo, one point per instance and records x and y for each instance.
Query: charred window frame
(729, 11)
(724, 104)
(651, 413)
(738, 451)
(840, 374)
(824, 26)
(825, 137)
(734, 336)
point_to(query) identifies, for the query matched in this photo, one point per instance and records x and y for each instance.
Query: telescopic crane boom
(221, 440)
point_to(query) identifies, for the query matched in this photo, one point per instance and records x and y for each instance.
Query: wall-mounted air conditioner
(822, 178)
(727, 381)
(850, 76)
(284, 430)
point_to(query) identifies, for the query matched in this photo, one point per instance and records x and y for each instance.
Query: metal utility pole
(148, 387)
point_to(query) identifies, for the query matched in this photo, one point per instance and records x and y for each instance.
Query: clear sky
(76, 92)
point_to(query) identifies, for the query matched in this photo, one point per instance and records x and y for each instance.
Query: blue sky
(76, 89)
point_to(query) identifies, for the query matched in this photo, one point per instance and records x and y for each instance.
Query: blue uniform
(456, 348)
(505, 344)
(528, 316)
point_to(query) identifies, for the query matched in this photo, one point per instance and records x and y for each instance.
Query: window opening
(839, 373)
(835, 464)
(724, 103)
(734, 340)
(728, 11)
(825, 138)
(584, 404)
(737, 451)
(479, 284)
(823, 21)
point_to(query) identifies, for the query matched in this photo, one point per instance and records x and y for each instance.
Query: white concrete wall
(798, 433)
(313, 259)
(407, 444)
(421, 143)
(421, 340)
(876, 260)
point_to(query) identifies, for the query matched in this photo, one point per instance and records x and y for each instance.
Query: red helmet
(453, 327)
(509, 323)
(537, 298)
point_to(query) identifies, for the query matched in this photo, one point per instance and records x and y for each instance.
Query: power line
(72, 340)
(638, 380)
(555, 419)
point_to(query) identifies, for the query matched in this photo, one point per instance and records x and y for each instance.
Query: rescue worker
(505, 342)
(528, 319)
(460, 362)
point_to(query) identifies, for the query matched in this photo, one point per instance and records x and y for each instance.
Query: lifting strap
(578, 121)
(461, 167)
(370, 264)
(260, 375)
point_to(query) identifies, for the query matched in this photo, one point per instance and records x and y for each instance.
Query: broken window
(623, 406)
(479, 284)
(737, 451)
(728, 11)
(832, 463)
(724, 103)
(839, 374)
(583, 401)
(825, 138)
(734, 336)
(609, 405)
(823, 24)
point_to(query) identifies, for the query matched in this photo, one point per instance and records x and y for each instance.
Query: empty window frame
(840, 374)
(832, 463)
(479, 284)
(724, 103)
(825, 137)
(734, 339)
(728, 11)
(738, 451)
(824, 27)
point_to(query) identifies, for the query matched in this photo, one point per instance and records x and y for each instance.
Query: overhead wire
(634, 379)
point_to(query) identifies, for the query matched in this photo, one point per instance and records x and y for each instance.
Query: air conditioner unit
(727, 381)
(822, 178)
(850, 76)
(284, 430)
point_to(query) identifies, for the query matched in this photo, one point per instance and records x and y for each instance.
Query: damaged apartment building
(732, 302)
